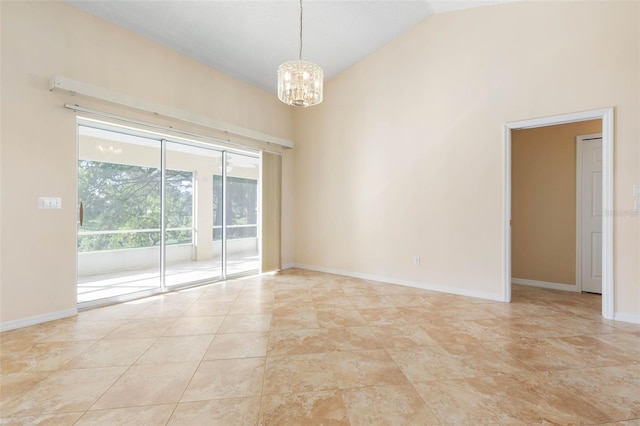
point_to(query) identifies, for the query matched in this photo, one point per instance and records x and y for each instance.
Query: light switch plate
(636, 190)
(50, 203)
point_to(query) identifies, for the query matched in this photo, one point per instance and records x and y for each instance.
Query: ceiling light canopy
(300, 82)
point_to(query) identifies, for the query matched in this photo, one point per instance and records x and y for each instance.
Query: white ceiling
(250, 39)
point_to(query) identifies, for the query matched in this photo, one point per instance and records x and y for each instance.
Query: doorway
(158, 213)
(606, 115)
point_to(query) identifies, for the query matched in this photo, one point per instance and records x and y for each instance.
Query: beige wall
(40, 39)
(543, 201)
(405, 156)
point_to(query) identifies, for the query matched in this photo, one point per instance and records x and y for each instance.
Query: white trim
(607, 217)
(289, 265)
(607, 116)
(506, 252)
(560, 119)
(388, 280)
(545, 284)
(76, 87)
(579, 140)
(632, 318)
(578, 213)
(38, 319)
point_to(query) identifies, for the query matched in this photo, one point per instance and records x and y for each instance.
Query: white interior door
(591, 214)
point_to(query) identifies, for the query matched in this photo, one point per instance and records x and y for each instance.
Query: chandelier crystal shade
(300, 82)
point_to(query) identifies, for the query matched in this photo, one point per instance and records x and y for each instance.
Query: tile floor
(303, 348)
(112, 284)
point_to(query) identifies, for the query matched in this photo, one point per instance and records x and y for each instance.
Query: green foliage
(119, 197)
(242, 207)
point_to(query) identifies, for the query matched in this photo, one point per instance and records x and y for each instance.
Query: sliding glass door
(192, 252)
(241, 219)
(155, 214)
(119, 202)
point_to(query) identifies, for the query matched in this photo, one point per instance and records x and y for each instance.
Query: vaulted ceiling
(250, 39)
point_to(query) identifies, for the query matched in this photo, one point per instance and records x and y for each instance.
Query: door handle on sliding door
(81, 213)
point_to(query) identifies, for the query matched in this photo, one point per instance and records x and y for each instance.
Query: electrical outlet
(416, 260)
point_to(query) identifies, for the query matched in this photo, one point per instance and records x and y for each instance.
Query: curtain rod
(76, 107)
(75, 87)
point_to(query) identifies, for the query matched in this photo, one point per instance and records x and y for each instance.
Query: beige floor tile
(165, 309)
(387, 405)
(111, 353)
(351, 339)
(122, 311)
(72, 329)
(285, 305)
(245, 323)
(289, 342)
(320, 345)
(15, 384)
(429, 363)
(148, 415)
(505, 400)
(588, 351)
(410, 299)
(455, 339)
(471, 402)
(383, 316)
(241, 307)
(208, 308)
(539, 354)
(176, 349)
(238, 345)
(370, 301)
(42, 356)
(626, 373)
(296, 320)
(298, 373)
(44, 420)
(148, 385)
(64, 391)
(365, 368)
(627, 344)
(227, 378)
(406, 336)
(311, 408)
(191, 326)
(334, 317)
(138, 328)
(331, 299)
(616, 396)
(218, 412)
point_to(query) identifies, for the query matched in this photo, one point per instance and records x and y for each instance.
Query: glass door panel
(192, 252)
(241, 219)
(119, 202)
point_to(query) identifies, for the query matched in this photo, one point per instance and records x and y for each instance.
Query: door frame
(579, 140)
(607, 117)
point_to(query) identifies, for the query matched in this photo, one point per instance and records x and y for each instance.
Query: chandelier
(300, 82)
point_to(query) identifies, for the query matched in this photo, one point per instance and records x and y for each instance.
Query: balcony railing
(104, 239)
(108, 260)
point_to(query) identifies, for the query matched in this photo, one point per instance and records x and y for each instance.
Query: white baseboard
(288, 265)
(545, 284)
(632, 318)
(442, 289)
(38, 319)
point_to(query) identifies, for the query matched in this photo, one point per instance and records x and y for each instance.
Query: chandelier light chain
(300, 53)
(300, 83)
